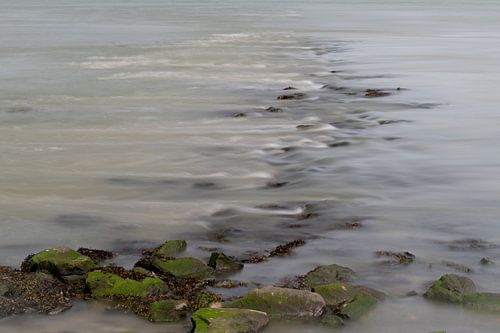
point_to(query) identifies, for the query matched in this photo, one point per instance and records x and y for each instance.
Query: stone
(60, 262)
(332, 320)
(451, 288)
(228, 320)
(292, 96)
(187, 267)
(282, 303)
(4, 288)
(326, 274)
(104, 285)
(223, 264)
(483, 302)
(348, 301)
(486, 261)
(167, 311)
(274, 109)
(170, 248)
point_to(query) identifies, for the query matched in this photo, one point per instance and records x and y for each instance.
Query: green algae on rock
(223, 264)
(103, 285)
(228, 320)
(167, 311)
(183, 267)
(170, 248)
(332, 320)
(451, 288)
(483, 302)
(348, 301)
(326, 274)
(61, 262)
(282, 303)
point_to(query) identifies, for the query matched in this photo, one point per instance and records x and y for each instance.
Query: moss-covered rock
(61, 262)
(451, 288)
(170, 248)
(332, 320)
(227, 320)
(205, 299)
(348, 301)
(483, 302)
(326, 274)
(183, 267)
(282, 303)
(167, 311)
(104, 285)
(223, 264)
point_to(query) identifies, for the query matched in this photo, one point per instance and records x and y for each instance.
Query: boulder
(103, 285)
(61, 262)
(227, 320)
(348, 301)
(170, 248)
(223, 264)
(183, 267)
(451, 288)
(167, 311)
(326, 274)
(282, 303)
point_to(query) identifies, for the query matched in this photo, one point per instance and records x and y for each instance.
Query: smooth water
(117, 132)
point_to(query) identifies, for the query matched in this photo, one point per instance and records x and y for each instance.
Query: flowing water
(118, 131)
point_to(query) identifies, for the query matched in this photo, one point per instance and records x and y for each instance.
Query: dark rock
(96, 255)
(375, 93)
(183, 267)
(470, 244)
(292, 96)
(486, 261)
(276, 184)
(339, 144)
(223, 264)
(304, 127)
(239, 115)
(326, 274)
(451, 288)
(457, 267)
(290, 88)
(226, 320)
(285, 249)
(402, 258)
(274, 109)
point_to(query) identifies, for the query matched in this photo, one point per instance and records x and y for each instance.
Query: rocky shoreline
(165, 286)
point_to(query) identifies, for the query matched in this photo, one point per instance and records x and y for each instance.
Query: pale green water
(114, 117)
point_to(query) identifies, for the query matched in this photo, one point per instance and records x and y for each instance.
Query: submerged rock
(451, 288)
(186, 267)
(226, 320)
(401, 258)
(483, 302)
(282, 303)
(325, 275)
(348, 301)
(486, 261)
(170, 248)
(274, 109)
(470, 244)
(285, 249)
(61, 262)
(375, 93)
(332, 320)
(292, 96)
(223, 264)
(102, 285)
(167, 311)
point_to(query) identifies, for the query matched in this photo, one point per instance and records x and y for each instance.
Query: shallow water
(117, 132)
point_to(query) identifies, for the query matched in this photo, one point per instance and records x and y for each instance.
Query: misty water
(117, 131)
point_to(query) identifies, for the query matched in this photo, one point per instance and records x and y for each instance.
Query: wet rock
(292, 96)
(239, 115)
(104, 285)
(32, 292)
(170, 248)
(290, 88)
(325, 275)
(469, 244)
(223, 264)
(283, 303)
(451, 288)
(332, 320)
(486, 261)
(348, 301)
(274, 109)
(411, 293)
(389, 122)
(339, 144)
(96, 255)
(206, 299)
(187, 267)
(276, 184)
(375, 93)
(285, 249)
(304, 127)
(458, 267)
(401, 258)
(229, 284)
(167, 311)
(61, 262)
(483, 302)
(226, 320)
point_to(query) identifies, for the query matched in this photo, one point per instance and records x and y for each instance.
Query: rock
(292, 96)
(348, 301)
(458, 267)
(61, 262)
(224, 264)
(183, 267)
(451, 288)
(274, 109)
(282, 303)
(375, 93)
(170, 248)
(96, 255)
(167, 311)
(470, 244)
(483, 302)
(486, 261)
(401, 258)
(206, 299)
(332, 320)
(239, 115)
(4, 288)
(290, 88)
(103, 285)
(285, 249)
(325, 275)
(339, 144)
(226, 320)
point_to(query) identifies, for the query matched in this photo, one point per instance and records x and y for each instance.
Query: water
(117, 132)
